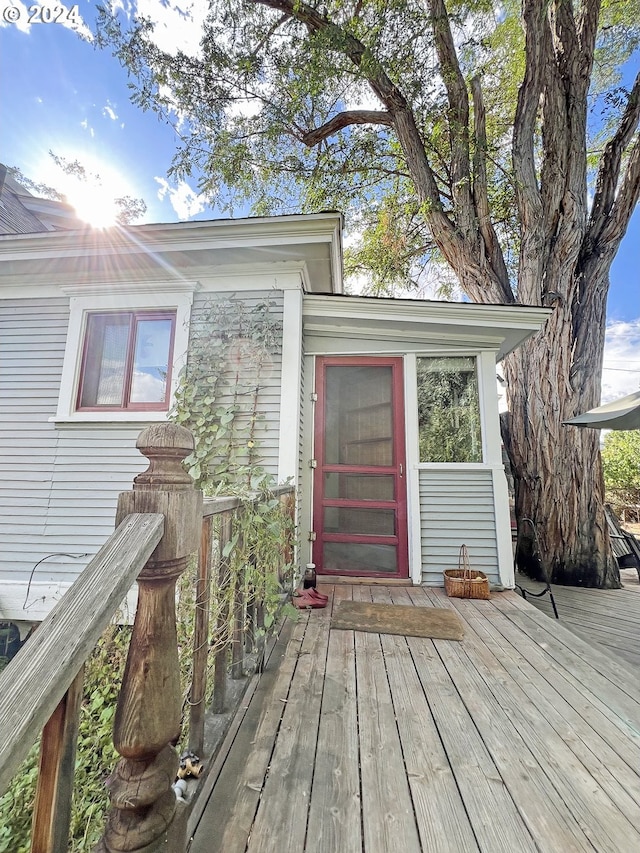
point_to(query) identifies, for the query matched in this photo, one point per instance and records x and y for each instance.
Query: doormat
(434, 622)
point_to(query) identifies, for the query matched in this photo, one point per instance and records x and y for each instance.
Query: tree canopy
(501, 139)
(402, 114)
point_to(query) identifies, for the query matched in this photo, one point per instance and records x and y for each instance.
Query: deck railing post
(147, 721)
(222, 651)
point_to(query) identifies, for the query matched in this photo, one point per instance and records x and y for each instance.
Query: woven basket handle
(463, 562)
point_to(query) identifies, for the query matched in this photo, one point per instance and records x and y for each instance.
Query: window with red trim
(126, 362)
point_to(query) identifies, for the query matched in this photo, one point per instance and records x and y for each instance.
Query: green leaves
(233, 343)
(621, 466)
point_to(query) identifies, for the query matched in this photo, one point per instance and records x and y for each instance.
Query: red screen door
(360, 506)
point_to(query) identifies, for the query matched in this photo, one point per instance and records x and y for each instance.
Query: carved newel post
(147, 719)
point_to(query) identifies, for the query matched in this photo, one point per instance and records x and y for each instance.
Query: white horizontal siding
(58, 486)
(457, 507)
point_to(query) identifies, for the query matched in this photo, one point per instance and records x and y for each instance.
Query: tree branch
(462, 254)
(458, 117)
(344, 119)
(481, 196)
(610, 164)
(615, 225)
(527, 190)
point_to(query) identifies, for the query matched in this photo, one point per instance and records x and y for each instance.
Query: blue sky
(57, 92)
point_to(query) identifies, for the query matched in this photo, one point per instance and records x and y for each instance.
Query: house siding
(457, 507)
(48, 476)
(59, 483)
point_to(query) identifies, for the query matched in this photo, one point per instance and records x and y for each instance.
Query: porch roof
(498, 327)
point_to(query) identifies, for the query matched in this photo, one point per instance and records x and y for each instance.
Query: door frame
(398, 468)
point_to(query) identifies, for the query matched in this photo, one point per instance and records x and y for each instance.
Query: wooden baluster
(222, 652)
(237, 637)
(143, 804)
(52, 808)
(201, 640)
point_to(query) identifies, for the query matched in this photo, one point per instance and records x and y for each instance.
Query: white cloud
(178, 25)
(86, 126)
(621, 368)
(108, 111)
(184, 200)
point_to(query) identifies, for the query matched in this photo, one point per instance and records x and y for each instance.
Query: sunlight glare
(93, 203)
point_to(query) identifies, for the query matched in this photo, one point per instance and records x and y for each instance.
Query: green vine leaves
(231, 352)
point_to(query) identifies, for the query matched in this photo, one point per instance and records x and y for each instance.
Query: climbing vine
(233, 347)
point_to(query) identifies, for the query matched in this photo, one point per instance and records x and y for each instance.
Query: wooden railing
(221, 521)
(160, 523)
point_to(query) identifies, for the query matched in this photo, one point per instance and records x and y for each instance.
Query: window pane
(105, 360)
(448, 410)
(151, 361)
(359, 487)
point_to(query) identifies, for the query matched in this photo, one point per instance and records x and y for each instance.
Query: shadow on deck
(519, 738)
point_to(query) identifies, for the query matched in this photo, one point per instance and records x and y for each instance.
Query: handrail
(51, 659)
(217, 505)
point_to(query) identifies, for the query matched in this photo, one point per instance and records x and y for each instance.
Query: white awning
(620, 414)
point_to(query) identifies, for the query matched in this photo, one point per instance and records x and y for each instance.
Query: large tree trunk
(557, 469)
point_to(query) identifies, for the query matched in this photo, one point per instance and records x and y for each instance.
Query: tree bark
(557, 470)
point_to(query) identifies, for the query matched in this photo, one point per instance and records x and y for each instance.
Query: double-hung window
(126, 362)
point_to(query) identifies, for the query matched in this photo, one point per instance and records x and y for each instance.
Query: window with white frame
(125, 347)
(127, 361)
(449, 427)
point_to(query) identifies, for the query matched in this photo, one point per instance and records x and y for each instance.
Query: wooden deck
(608, 620)
(519, 738)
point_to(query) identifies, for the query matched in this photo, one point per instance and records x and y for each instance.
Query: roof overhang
(311, 243)
(497, 327)
(619, 414)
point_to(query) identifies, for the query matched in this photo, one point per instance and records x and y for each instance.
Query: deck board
(334, 810)
(606, 619)
(565, 779)
(441, 817)
(520, 737)
(287, 787)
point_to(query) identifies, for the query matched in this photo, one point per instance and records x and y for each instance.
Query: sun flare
(89, 185)
(93, 204)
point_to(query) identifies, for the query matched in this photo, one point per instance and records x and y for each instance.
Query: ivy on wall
(232, 348)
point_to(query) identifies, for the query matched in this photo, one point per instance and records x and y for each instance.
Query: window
(126, 345)
(127, 361)
(448, 410)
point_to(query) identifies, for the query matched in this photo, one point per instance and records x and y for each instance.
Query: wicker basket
(464, 582)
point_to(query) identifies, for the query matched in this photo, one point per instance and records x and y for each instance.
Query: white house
(384, 412)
